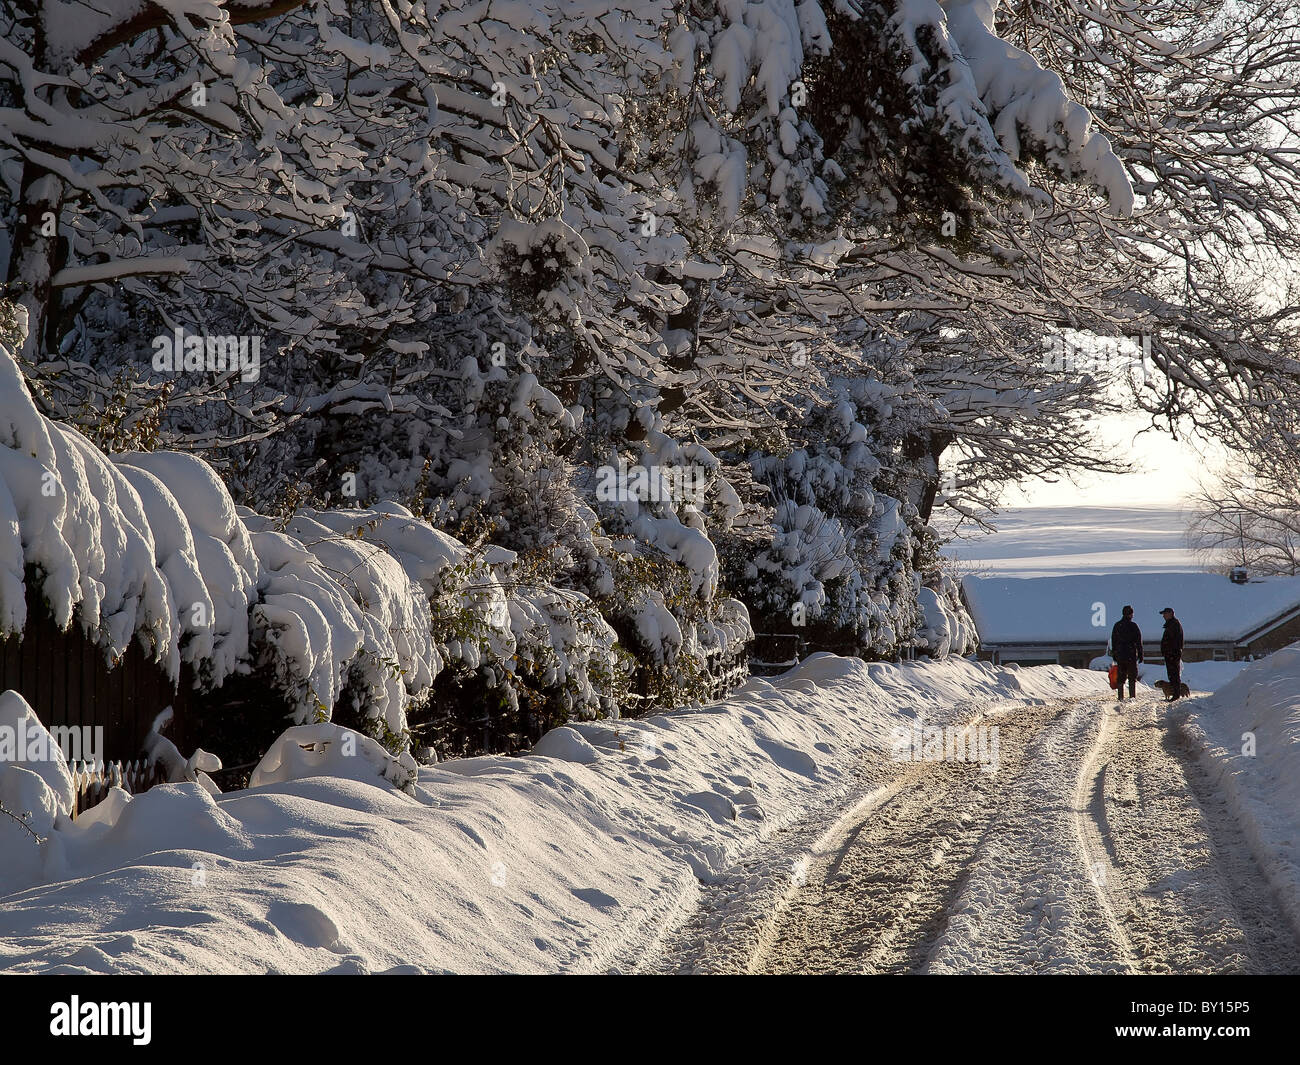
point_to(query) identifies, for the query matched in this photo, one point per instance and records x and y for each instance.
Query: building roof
(1062, 610)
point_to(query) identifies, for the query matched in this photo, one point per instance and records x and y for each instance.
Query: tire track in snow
(1094, 836)
(738, 912)
(1029, 905)
(1178, 872)
(1100, 846)
(878, 901)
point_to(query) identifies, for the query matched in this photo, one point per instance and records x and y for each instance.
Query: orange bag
(1114, 676)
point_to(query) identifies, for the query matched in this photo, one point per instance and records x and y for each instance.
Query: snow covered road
(807, 823)
(1097, 846)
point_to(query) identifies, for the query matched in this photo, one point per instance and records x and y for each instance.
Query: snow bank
(570, 859)
(1207, 676)
(1249, 735)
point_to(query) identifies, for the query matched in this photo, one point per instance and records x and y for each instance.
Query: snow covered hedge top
(151, 546)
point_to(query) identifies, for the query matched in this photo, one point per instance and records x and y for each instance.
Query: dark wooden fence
(91, 783)
(67, 681)
(772, 653)
(728, 672)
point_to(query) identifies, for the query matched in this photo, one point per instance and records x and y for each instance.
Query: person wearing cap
(1171, 646)
(1126, 650)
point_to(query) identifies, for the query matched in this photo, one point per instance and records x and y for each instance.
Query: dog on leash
(1183, 689)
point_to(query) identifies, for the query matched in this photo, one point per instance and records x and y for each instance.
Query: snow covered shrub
(541, 656)
(839, 567)
(501, 482)
(325, 749)
(946, 628)
(660, 504)
(36, 795)
(77, 529)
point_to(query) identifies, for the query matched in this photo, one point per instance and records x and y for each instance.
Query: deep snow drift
(568, 859)
(1250, 732)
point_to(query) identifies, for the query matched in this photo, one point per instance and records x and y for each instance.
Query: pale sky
(1166, 470)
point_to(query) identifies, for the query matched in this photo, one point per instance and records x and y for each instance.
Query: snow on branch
(111, 271)
(1030, 111)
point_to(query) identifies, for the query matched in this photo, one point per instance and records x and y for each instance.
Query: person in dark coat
(1171, 646)
(1126, 650)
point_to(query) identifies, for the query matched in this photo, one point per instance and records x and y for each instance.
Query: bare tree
(1249, 517)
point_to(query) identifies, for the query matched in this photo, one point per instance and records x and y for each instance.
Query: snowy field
(574, 858)
(1059, 541)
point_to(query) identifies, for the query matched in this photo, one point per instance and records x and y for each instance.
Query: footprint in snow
(718, 807)
(790, 758)
(352, 965)
(305, 924)
(595, 897)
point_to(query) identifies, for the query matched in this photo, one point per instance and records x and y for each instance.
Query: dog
(1183, 689)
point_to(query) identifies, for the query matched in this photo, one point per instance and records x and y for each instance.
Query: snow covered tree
(1201, 100)
(525, 270)
(839, 569)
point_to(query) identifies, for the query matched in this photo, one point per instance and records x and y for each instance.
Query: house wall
(1192, 652)
(1080, 656)
(1286, 633)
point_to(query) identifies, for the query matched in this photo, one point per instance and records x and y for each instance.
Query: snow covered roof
(1068, 609)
